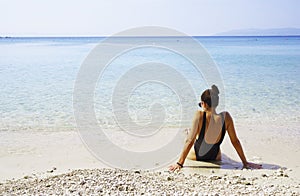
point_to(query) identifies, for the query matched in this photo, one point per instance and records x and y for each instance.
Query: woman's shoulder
(226, 116)
(199, 113)
(225, 113)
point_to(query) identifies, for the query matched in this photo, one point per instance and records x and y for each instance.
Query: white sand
(41, 154)
(27, 153)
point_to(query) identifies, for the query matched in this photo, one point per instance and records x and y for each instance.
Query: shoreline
(29, 155)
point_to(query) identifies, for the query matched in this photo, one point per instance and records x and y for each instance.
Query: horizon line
(103, 36)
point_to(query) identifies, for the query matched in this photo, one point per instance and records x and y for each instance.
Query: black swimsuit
(203, 150)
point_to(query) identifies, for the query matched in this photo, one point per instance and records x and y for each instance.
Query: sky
(107, 17)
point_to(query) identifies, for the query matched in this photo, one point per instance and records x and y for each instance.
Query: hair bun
(215, 89)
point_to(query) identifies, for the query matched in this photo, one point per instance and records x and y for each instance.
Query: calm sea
(37, 75)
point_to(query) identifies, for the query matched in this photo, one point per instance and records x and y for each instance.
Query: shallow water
(37, 76)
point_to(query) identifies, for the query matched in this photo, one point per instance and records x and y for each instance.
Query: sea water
(260, 76)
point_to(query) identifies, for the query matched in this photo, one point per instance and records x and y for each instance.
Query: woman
(209, 129)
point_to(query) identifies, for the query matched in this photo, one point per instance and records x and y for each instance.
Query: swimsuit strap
(202, 131)
(223, 130)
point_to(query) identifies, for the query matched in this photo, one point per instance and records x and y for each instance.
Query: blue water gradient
(37, 75)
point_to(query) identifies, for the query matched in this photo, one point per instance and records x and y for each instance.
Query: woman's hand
(174, 167)
(250, 165)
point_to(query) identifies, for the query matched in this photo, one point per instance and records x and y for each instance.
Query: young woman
(208, 131)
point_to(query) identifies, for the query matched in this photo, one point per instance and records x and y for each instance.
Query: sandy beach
(42, 152)
(124, 182)
(59, 163)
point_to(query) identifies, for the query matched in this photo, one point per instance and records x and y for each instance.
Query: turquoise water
(37, 75)
(261, 76)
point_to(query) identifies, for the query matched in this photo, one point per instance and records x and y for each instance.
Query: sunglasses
(200, 104)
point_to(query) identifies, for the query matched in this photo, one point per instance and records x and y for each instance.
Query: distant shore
(99, 38)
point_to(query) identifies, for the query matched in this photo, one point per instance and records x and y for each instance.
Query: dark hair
(211, 96)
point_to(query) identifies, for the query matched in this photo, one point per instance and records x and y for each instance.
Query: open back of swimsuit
(203, 150)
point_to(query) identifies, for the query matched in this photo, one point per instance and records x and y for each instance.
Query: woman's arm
(189, 142)
(236, 143)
